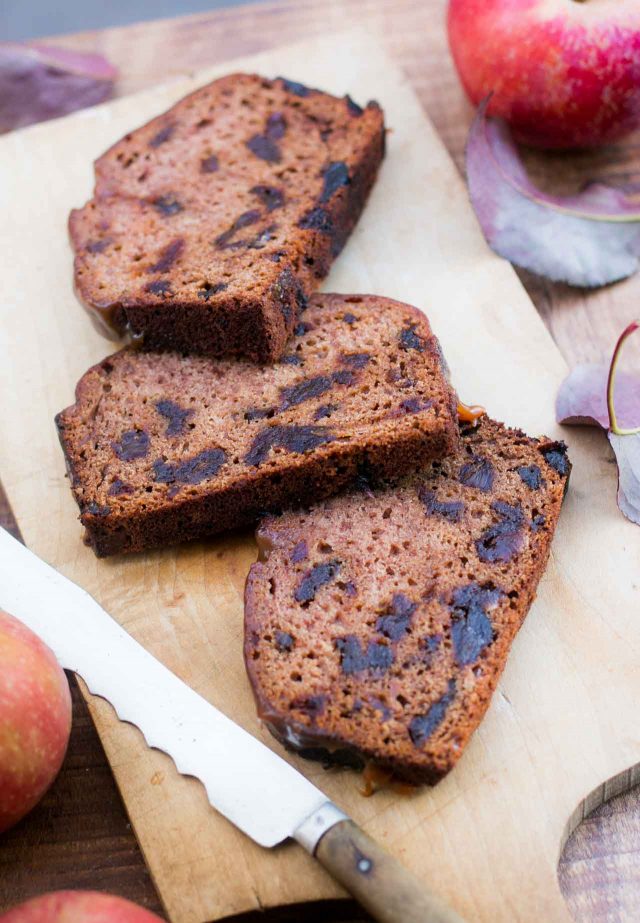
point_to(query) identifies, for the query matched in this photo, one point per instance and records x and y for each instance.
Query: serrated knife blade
(258, 791)
(238, 772)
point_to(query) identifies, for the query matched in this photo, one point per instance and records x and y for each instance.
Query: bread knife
(253, 787)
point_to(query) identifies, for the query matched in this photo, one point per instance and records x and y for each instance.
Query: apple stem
(613, 421)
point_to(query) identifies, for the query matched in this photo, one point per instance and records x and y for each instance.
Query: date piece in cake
(377, 623)
(211, 225)
(163, 447)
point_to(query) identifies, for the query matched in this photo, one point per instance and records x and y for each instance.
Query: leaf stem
(613, 421)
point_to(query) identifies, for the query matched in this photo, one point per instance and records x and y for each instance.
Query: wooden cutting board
(564, 719)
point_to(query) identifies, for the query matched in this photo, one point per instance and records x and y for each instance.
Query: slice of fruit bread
(163, 447)
(377, 624)
(212, 224)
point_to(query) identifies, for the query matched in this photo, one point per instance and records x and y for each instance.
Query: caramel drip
(265, 546)
(470, 413)
(375, 778)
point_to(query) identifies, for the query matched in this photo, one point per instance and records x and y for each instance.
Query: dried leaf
(40, 82)
(587, 395)
(588, 239)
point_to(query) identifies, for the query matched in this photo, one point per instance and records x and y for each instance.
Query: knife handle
(378, 882)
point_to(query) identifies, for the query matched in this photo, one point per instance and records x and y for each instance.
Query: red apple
(35, 719)
(78, 907)
(564, 73)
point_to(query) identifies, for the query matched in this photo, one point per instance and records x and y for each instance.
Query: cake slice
(162, 447)
(212, 224)
(377, 624)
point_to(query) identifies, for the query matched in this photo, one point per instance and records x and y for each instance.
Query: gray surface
(26, 19)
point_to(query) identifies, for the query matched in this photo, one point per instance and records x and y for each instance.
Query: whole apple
(563, 73)
(35, 719)
(78, 907)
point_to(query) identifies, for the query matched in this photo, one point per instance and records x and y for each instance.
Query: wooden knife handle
(379, 883)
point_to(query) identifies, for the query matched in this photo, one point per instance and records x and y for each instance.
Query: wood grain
(596, 871)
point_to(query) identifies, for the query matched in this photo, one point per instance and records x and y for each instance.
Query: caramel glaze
(376, 778)
(265, 545)
(470, 413)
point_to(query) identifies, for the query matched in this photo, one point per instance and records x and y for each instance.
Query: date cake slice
(377, 623)
(211, 225)
(163, 447)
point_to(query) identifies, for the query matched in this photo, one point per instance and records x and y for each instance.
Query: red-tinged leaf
(40, 82)
(588, 239)
(587, 396)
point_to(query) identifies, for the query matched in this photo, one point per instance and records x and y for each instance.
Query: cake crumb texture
(377, 623)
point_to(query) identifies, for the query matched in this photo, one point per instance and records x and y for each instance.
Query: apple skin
(78, 907)
(35, 719)
(564, 74)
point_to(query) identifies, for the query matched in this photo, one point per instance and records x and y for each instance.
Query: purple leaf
(588, 239)
(586, 396)
(582, 397)
(40, 82)
(627, 452)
